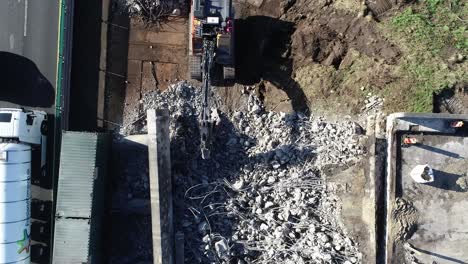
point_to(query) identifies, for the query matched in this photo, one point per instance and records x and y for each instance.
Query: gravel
(261, 198)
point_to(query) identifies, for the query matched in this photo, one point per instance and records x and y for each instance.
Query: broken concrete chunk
(256, 187)
(268, 205)
(221, 248)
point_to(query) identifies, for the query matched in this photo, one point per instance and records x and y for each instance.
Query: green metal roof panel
(80, 197)
(76, 174)
(71, 241)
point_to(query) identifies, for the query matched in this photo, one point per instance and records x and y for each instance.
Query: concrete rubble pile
(262, 196)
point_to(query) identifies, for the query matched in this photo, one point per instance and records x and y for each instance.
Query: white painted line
(25, 17)
(12, 42)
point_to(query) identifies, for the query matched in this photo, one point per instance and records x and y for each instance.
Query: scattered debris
(373, 104)
(261, 196)
(405, 218)
(462, 182)
(150, 11)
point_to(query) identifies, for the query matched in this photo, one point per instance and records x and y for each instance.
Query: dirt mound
(405, 217)
(327, 39)
(277, 43)
(318, 44)
(453, 101)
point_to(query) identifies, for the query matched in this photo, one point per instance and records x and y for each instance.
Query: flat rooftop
(429, 221)
(442, 206)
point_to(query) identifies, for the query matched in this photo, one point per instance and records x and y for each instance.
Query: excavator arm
(212, 24)
(206, 121)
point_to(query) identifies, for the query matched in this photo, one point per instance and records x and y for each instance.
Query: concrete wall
(160, 186)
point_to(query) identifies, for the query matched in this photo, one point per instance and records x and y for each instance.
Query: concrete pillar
(159, 155)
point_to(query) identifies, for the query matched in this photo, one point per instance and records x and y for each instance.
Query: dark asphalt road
(29, 28)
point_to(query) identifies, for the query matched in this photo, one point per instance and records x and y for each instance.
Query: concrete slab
(442, 206)
(159, 75)
(103, 64)
(160, 186)
(359, 188)
(132, 93)
(156, 57)
(157, 52)
(116, 68)
(169, 38)
(129, 221)
(427, 222)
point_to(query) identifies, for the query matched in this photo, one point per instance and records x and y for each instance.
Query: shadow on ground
(23, 83)
(201, 187)
(446, 258)
(117, 62)
(129, 221)
(439, 151)
(263, 47)
(446, 181)
(85, 65)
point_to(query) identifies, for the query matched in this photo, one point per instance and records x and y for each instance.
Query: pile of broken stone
(261, 197)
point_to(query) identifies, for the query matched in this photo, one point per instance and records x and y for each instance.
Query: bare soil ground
(157, 56)
(315, 51)
(339, 53)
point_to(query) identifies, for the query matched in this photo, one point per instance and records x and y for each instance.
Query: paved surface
(30, 28)
(442, 206)
(142, 59)
(156, 58)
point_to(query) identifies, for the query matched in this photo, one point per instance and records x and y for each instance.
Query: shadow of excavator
(263, 53)
(22, 83)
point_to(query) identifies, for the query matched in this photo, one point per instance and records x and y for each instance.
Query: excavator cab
(214, 20)
(211, 47)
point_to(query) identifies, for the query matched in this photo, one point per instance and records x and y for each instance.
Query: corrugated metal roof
(80, 197)
(76, 174)
(71, 241)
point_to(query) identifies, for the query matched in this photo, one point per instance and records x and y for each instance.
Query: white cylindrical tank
(15, 203)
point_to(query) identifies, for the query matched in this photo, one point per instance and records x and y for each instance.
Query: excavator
(211, 51)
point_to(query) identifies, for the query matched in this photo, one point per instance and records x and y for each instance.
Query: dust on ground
(404, 224)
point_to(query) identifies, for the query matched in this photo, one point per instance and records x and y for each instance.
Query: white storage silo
(15, 203)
